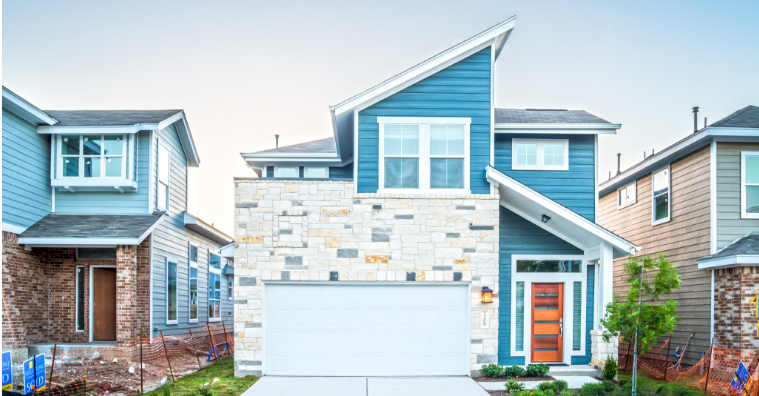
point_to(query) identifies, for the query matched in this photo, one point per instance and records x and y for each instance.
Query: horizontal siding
(730, 225)
(460, 90)
(573, 188)
(27, 195)
(684, 239)
(341, 172)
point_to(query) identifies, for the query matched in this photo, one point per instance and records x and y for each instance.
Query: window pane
(447, 139)
(576, 316)
(162, 193)
(172, 291)
(163, 165)
(548, 266)
(661, 182)
(113, 145)
(70, 145)
(71, 166)
(215, 261)
(447, 173)
(316, 172)
(752, 199)
(80, 298)
(402, 139)
(92, 144)
(520, 317)
(527, 154)
(216, 307)
(661, 207)
(401, 173)
(553, 154)
(286, 172)
(193, 293)
(91, 166)
(113, 167)
(752, 169)
(193, 253)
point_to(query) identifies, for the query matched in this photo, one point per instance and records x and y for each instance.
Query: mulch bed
(499, 393)
(520, 379)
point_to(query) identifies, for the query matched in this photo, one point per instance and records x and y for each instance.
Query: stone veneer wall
(735, 322)
(324, 231)
(601, 350)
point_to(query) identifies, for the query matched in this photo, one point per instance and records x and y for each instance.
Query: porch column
(601, 350)
(126, 293)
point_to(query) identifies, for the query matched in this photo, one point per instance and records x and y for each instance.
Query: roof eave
(736, 260)
(27, 111)
(85, 241)
(573, 128)
(201, 227)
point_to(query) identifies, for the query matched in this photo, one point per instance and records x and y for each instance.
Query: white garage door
(366, 330)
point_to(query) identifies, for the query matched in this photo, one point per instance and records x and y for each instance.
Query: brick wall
(735, 322)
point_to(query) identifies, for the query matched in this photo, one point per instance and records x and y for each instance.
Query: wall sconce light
(486, 296)
(545, 218)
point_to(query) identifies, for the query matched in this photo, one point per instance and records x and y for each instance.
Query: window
(543, 154)
(519, 345)
(661, 196)
(79, 298)
(162, 194)
(287, 172)
(320, 173)
(91, 156)
(171, 292)
(96, 253)
(626, 196)
(214, 287)
(193, 298)
(577, 316)
(750, 184)
(424, 154)
(230, 287)
(548, 266)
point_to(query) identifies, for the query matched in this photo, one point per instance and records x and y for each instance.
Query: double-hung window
(172, 297)
(193, 283)
(750, 184)
(286, 172)
(662, 194)
(93, 156)
(164, 171)
(424, 154)
(627, 195)
(540, 154)
(316, 173)
(214, 287)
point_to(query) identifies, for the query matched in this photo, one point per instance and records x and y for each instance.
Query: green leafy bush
(537, 370)
(610, 368)
(513, 386)
(608, 385)
(556, 386)
(568, 392)
(513, 371)
(492, 370)
(593, 389)
(677, 390)
(536, 392)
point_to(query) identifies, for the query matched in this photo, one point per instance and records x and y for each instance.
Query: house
(432, 234)
(695, 201)
(98, 245)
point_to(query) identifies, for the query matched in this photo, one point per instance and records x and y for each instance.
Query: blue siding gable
(460, 90)
(573, 188)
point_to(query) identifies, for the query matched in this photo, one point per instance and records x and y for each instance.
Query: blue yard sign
(740, 379)
(39, 368)
(29, 376)
(7, 374)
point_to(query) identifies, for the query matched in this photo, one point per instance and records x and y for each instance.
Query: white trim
(150, 330)
(744, 214)
(596, 198)
(76, 295)
(306, 168)
(93, 130)
(740, 260)
(540, 154)
(216, 271)
(201, 227)
(557, 126)
(317, 156)
(16, 104)
(425, 120)
(157, 176)
(711, 311)
(492, 107)
(152, 153)
(634, 201)
(355, 148)
(92, 295)
(13, 229)
(713, 201)
(168, 262)
(193, 264)
(669, 197)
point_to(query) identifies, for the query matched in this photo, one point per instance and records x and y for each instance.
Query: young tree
(651, 318)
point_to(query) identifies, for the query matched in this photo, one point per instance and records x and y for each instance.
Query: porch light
(486, 296)
(545, 218)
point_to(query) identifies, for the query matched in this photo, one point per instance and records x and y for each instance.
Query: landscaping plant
(492, 370)
(513, 371)
(537, 370)
(592, 389)
(610, 368)
(513, 386)
(557, 386)
(536, 392)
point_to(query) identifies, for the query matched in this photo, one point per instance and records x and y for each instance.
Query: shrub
(537, 370)
(593, 389)
(677, 390)
(536, 392)
(556, 386)
(492, 370)
(610, 368)
(608, 386)
(513, 371)
(513, 386)
(568, 392)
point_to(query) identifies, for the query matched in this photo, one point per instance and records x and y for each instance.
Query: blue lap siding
(590, 290)
(460, 90)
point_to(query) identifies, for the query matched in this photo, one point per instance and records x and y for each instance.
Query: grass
(224, 370)
(656, 387)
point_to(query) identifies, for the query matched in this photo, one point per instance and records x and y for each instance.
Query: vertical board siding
(684, 239)
(171, 240)
(573, 188)
(519, 236)
(344, 172)
(27, 195)
(461, 90)
(730, 225)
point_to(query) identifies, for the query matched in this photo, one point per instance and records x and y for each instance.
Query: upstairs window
(750, 184)
(164, 171)
(661, 196)
(627, 195)
(287, 172)
(402, 156)
(92, 156)
(540, 154)
(446, 156)
(214, 287)
(316, 173)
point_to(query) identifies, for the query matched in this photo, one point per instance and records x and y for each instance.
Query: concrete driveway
(365, 386)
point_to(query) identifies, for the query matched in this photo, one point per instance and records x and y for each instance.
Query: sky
(244, 71)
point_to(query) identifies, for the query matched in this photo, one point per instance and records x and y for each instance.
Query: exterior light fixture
(545, 218)
(486, 296)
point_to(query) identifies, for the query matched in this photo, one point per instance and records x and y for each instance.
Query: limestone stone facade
(602, 350)
(304, 230)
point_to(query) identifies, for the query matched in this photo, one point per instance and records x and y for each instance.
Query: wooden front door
(104, 304)
(547, 322)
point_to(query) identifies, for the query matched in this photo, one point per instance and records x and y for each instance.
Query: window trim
(669, 197)
(306, 168)
(540, 165)
(634, 201)
(80, 176)
(424, 154)
(216, 271)
(297, 172)
(166, 280)
(76, 296)
(193, 264)
(158, 177)
(230, 288)
(744, 214)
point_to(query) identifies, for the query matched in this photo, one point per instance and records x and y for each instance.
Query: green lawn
(224, 370)
(648, 386)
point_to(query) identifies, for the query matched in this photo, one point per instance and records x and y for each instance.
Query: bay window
(661, 196)
(540, 154)
(93, 156)
(214, 287)
(750, 184)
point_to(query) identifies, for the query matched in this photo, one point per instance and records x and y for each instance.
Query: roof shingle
(322, 146)
(57, 225)
(747, 117)
(548, 116)
(748, 244)
(109, 117)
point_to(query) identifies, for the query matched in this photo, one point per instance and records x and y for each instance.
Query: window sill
(540, 168)
(214, 320)
(624, 206)
(172, 322)
(745, 215)
(662, 221)
(109, 184)
(193, 321)
(432, 191)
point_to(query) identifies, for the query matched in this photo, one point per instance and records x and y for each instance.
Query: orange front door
(547, 322)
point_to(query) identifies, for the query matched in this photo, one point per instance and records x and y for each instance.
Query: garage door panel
(354, 318)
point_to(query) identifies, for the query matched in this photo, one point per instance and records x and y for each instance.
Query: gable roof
(76, 230)
(322, 146)
(546, 116)
(27, 111)
(110, 117)
(747, 117)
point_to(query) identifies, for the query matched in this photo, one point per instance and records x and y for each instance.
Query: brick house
(97, 242)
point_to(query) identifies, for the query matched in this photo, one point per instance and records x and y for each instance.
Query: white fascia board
(203, 228)
(228, 251)
(76, 241)
(25, 110)
(424, 120)
(98, 130)
(14, 229)
(547, 126)
(289, 155)
(740, 260)
(496, 177)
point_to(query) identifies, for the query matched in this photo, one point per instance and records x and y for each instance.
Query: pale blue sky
(244, 71)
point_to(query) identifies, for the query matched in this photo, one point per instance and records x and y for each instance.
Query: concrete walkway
(366, 386)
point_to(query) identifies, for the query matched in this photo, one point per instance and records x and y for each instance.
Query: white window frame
(193, 264)
(230, 287)
(744, 214)
(158, 177)
(540, 163)
(76, 295)
(212, 270)
(297, 171)
(654, 222)
(306, 168)
(622, 190)
(424, 153)
(168, 262)
(80, 176)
